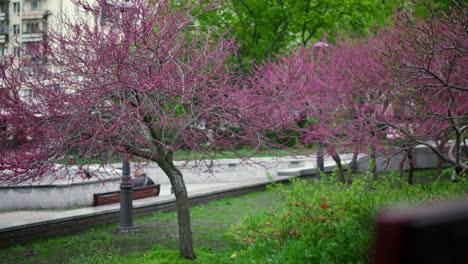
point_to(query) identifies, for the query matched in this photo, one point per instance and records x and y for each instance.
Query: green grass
(186, 154)
(285, 224)
(183, 154)
(102, 244)
(420, 176)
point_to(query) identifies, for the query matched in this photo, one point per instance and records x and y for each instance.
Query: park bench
(137, 193)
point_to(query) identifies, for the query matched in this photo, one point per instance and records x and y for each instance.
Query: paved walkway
(19, 219)
(24, 218)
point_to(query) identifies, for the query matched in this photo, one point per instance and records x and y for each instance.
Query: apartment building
(22, 21)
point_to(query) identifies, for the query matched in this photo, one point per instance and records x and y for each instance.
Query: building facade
(22, 21)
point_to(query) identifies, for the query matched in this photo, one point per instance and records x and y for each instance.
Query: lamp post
(320, 161)
(126, 203)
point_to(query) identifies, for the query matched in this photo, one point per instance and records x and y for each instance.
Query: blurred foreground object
(423, 235)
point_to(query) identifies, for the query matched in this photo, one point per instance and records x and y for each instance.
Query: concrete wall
(226, 170)
(51, 193)
(53, 196)
(424, 159)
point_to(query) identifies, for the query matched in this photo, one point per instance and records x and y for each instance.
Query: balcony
(3, 38)
(3, 16)
(35, 14)
(31, 37)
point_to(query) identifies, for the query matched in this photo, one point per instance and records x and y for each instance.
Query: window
(3, 28)
(26, 93)
(103, 18)
(16, 29)
(17, 51)
(31, 27)
(35, 5)
(16, 8)
(3, 50)
(32, 5)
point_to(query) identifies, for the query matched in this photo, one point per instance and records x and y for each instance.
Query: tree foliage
(426, 60)
(401, 87)
(264, 28)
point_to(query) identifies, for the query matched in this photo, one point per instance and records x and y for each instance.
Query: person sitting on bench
(141, 179)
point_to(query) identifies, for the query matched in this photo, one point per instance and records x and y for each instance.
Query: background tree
(263, 28)
(332, 96)
(426, 59)
(399, 88)
(352, 84)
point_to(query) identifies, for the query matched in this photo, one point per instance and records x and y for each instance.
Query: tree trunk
(402, 165)
(105, 157)
(411, 162)
(373, 163)
(454, 152)
(182, 204)
(341, 176)
(320, 158)
(440, 164)
(352, 167)
(457, 170)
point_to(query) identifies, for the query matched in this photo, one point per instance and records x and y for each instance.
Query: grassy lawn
(186, 154)
(239, 153)
(210, 222)
(322, 222)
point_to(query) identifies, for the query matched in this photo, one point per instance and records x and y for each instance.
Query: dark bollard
(126, 203)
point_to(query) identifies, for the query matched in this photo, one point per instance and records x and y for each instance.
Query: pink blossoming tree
(390, 92)
(328, 95)
(137, 78)
(427, 61)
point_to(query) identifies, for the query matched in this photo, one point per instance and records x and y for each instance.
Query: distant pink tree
(427, 61)
(404, 86)
(282, 87)
(329, 96)
(352, 85)
(391, 91)
(137, 78)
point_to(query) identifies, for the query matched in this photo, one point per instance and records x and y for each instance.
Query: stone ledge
(59, 185)
(303, 171)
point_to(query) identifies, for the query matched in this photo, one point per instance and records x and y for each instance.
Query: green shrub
(327, 222)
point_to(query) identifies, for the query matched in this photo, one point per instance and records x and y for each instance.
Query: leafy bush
(326, 222)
